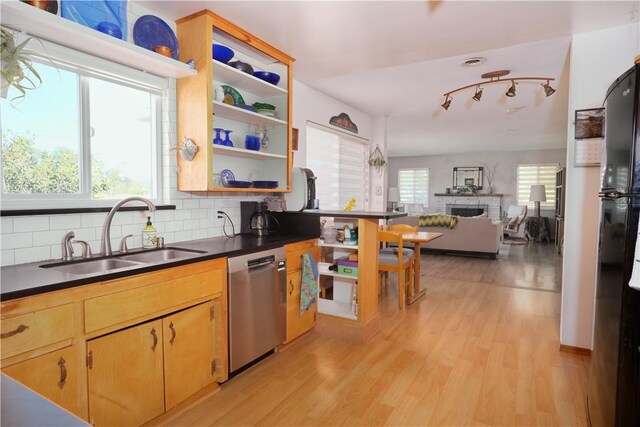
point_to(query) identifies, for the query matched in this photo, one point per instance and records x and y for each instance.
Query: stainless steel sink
(95, 266)
(160, 255)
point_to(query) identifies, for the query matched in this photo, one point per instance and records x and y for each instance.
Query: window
(413, 185)
(529, 175)
(83, 137)
(340, 166)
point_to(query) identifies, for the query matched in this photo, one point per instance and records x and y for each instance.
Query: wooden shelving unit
(46, 26)
(199, 113)
(336, 316)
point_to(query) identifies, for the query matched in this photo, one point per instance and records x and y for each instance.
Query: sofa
(470, 236)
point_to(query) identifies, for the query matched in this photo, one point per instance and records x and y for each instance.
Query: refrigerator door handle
(616, 194)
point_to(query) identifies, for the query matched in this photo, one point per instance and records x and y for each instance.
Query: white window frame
(426, 203)
(88, 66)
(530, 204)
(359, 140)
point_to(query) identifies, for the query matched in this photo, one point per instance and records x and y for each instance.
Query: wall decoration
(587, 152)
(377, 160)
(294, 139)
(343, 121)
(466, 177)
(589, 123)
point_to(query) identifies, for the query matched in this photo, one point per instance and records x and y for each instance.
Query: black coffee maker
(255, 219)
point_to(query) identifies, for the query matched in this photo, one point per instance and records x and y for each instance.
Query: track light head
(511, 92)
(446, 103)
(548, 90)
(478, 94)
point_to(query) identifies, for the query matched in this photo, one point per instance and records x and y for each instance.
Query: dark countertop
(356, 214)
(23, 407)
(30, 279)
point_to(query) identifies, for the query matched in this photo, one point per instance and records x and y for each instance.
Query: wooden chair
(395, 260)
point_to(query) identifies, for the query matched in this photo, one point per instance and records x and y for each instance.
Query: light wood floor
(467, 353)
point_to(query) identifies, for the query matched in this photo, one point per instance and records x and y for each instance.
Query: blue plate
(239, 184)
(226, 176)
(265, 184)
(150, 31)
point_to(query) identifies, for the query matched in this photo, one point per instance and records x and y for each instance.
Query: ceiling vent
(473, 62)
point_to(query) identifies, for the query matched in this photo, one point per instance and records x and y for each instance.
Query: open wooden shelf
(238, 114)
(35, 22)
(323, 270)
(241, 80)
(249, 190)
(335, 308)
(242, 152)
(337, 246)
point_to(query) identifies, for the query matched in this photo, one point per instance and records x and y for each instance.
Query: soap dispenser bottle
(149, 235)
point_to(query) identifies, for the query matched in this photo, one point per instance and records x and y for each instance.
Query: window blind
(340, 167)
(529, 175)
(413, 185)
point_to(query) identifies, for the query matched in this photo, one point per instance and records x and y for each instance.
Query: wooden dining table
(416, 292)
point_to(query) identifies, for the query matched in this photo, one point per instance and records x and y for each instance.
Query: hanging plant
(17, 68)
(377, 160)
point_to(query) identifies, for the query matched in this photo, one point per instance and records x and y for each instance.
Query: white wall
(504, 182)
(312, 105)
(597, 59)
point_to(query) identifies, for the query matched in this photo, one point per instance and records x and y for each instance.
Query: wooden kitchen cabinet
(125, 371)
(53, 375)
(102, 331)
(198, 113)
(297, 324)
(189, 352)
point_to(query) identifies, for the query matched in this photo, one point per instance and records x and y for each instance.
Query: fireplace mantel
(490, 202)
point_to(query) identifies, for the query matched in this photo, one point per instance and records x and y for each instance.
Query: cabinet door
(53, 375)
(188, 352)
(296, 324)
(125, 376)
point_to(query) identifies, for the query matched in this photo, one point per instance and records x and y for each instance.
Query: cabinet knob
(20, 329)
(173, 333)
(63, 372)
(155, 339)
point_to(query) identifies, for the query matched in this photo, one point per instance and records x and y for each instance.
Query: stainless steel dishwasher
(257, 305)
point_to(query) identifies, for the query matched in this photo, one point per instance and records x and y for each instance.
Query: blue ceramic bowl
(110, 28)
(272, 78)
(222, 53)
(265, 184)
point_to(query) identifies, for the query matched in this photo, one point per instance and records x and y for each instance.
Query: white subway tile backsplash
(93, 220)
(30, 223)
(65, 222)
(191, 204)
(6, 224)
(16, 240)
(33, 254)
(41, 238)
(7, 257)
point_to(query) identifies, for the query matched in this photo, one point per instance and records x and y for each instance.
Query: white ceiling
(397, 58)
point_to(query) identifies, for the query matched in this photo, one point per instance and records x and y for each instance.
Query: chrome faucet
(105, 245)
(67, 249)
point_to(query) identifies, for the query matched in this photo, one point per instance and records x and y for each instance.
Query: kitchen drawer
(34, 330)
(157, 298)
(294, 258)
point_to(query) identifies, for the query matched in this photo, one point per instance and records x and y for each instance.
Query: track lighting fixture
(478, 94)
(548, 90)
(495, 77)
(446, 103)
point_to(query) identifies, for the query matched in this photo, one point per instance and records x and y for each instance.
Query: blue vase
(218, 140)
(227, 140)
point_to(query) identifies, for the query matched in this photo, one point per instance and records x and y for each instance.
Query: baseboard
(575, 350)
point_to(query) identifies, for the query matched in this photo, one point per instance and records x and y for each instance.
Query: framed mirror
(466, 176)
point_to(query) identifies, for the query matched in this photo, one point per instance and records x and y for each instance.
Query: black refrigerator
(614, 377)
